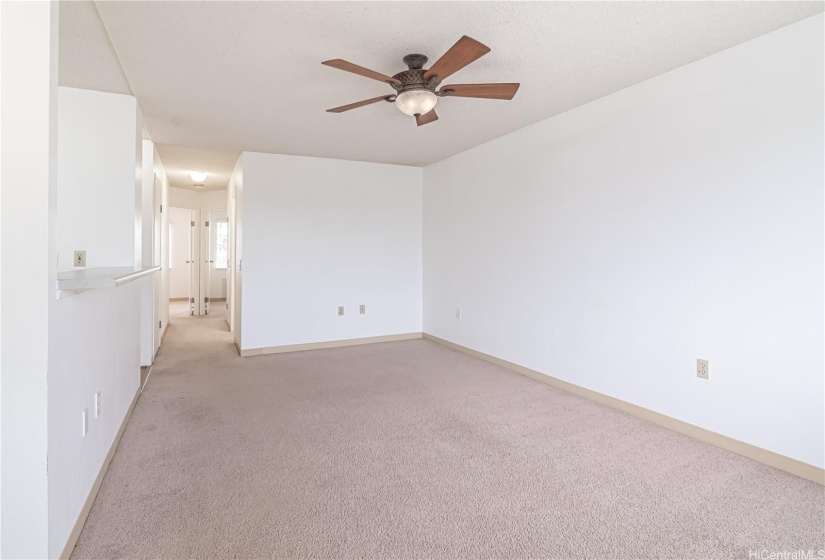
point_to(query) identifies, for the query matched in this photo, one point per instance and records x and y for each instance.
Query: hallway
(411, 450)
(180, 310)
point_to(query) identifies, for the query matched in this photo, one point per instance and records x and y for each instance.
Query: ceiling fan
(416, 87)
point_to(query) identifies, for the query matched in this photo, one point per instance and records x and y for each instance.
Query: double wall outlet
(340, 310)
(702, 369)
(80, 258)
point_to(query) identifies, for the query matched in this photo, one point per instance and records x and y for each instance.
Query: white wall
(94, 337)
(681, 218)
(235, 208)
(94, 346)
(180, 229)
(187, 198)
(90, 196)
(319, 233)
(28, 115)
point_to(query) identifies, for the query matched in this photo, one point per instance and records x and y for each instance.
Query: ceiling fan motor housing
(415, 61)
(414, 77)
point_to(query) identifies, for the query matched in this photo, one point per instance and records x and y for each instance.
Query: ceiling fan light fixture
(416, 101)
(415, 87)
(198, 176)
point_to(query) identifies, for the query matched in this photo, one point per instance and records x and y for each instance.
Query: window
(221, 243)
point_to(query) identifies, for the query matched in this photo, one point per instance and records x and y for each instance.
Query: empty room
(412, 280)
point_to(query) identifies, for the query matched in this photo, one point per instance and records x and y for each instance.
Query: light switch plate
(458, 313)
(340, 310)
(362, 309)
(97, 404)
(85, 420)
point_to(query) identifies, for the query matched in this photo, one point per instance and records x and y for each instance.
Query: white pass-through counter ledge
(81, 280)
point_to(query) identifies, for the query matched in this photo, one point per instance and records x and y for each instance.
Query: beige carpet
(411, 450)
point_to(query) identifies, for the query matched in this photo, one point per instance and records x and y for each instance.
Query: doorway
(198, 261)
(183, 264)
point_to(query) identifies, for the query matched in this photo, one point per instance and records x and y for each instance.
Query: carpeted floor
(412, 450)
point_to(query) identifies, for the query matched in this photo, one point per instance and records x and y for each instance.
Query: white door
(215, 252)
(183, 258)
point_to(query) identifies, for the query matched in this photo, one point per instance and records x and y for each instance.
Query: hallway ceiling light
(198, 176)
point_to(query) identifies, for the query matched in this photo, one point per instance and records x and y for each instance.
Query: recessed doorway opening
(198, 261)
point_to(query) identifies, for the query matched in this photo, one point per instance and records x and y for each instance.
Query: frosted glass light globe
(416, 101)
(198, 176)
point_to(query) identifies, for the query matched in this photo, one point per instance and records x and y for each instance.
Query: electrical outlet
(362, 309)
(702, 369)
(97, 404)
(458, 313)
(340, 310)
(85, 419)
(80, 258)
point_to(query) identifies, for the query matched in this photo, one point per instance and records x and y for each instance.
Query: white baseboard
(90, 499)
(770, 458)
(328, 344)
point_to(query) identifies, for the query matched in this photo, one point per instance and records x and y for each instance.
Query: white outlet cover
(85, 419)
(97, 404)
(702, 369)
(458, 313)
(340, 310)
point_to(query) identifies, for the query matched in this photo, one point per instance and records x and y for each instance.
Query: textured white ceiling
(86, 58)
(234, 76)
(178, 162)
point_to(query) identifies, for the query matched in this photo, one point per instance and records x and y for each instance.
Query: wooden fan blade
(343, 108)
(360, 70)
(427, 118)
(465, 51)
(483, 91)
